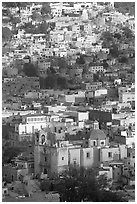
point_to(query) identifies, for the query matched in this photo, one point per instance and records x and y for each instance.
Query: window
(45, 159)
(88, 155)
(32, 129)
(62, 158)
(42, 139)
(125, 168)
(75, 162)
(25, 129)
(110, 154)
(45, 171)
(128, 154)
(102, 143)
(94, 143)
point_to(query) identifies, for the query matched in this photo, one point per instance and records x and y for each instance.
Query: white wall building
(113, 153)
(96, 69)
(31, 123)
(100, 92)
(126, 97)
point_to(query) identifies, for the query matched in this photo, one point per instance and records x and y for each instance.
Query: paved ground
(129, 194)
(36, 197)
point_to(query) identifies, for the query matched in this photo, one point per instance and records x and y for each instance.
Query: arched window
(45, 171)
(42, 139)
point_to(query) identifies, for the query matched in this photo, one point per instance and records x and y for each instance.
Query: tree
(30, 70)
(43, 28)
(11, 152)
(9, 4)
(28, 27)
(79, 184)
(125, 7)
(52, 70)
(61, 82)
(105, 64)
(117, 35)
(52, 25)
(6, 33)
(50, 82)
(123, 60)
(5, 20)
(127, 33)
(36, 16)
(62, 63)
(45, 185)
(45, 8)
(15, 20)
(6, 12)
(96, 77)
(13, 4)
(114, 51)
(80, 60)
(107, 36)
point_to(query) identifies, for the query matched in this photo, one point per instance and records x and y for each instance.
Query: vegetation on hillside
(125, 7)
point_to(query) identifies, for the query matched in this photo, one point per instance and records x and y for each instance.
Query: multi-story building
(88, 77)
(96, 68)
(24, 128)
(43, 65)
(92, 86)
(32, 123)
(100, 92)
(57, 11)
(127, 97)
(113, 153)
(72, 98)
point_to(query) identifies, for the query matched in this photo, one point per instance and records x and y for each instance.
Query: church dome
(97, 134)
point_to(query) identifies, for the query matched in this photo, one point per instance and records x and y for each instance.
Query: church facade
(51, 158)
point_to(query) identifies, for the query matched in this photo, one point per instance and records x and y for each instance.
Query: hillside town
(68, 101)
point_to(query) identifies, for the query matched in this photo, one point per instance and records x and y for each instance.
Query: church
(53, 157)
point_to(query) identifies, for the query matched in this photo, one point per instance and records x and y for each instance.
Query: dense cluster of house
(65, 135)
(87, 127)
(69, 37)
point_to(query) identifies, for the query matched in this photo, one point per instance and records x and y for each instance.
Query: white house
(126, 97)
(32, 123)
(96, 69)
(100, 92)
